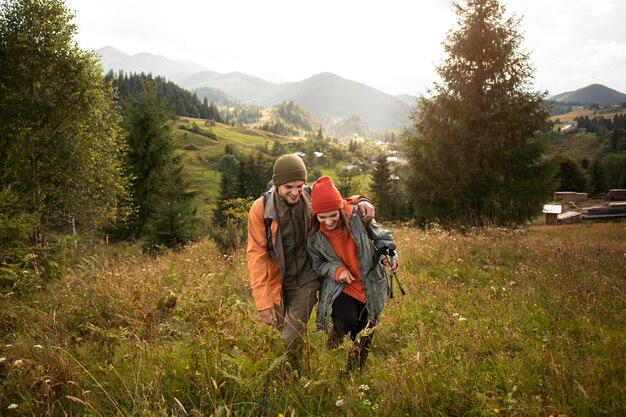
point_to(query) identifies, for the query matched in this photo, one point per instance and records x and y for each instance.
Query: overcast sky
(392, 45)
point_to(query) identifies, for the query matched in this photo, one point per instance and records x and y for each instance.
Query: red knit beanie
(325, 196)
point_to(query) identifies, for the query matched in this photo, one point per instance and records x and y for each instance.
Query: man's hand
(268, 316)
(366, 209)
(345, 276)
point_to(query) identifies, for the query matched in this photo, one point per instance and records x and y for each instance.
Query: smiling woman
(347, 256)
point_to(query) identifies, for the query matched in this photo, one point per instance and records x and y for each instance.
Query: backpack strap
(268, 229)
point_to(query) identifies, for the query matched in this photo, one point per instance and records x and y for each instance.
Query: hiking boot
(336, 335)
(357, 356)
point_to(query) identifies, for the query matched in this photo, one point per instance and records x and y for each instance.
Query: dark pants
(349, 314)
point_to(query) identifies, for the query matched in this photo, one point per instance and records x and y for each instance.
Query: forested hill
(179, 100)
(592, 94)
(328, 97)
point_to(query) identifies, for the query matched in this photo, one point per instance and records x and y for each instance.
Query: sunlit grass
(527, 322)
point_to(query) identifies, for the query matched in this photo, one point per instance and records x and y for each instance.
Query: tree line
(79, 151)
(180, 101)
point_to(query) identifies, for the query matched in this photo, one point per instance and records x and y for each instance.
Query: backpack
(268, 221)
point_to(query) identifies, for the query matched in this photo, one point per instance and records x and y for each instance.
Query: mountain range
(327, 96)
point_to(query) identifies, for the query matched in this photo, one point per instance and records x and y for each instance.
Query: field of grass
(496, 322)
(581, 112)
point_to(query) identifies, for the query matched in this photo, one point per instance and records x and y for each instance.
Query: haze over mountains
(326, 96)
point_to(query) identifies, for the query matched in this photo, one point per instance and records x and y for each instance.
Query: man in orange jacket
(284, 285)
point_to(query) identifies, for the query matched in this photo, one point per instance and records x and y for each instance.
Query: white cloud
(393, 45)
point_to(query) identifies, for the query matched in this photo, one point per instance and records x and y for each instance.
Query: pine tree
(570, 176)
(381, 187)
(163, 208)
(172, 221)
(599, 183)
(60, 140)
(474, 155)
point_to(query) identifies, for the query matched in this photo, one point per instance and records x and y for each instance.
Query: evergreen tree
(346, 183)
(60, 142)
(320, 134)
(172, 221)
(229, 169)
(569, 175)
(614, 166)
(163, 210)
(599, 182)
(474, 155)
(278, 149)
(381, 187)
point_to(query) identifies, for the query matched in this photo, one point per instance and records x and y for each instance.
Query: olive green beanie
(288, 168)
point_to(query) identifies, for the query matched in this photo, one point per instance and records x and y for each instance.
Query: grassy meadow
(496, 322)
(581, 111)
(576, 145)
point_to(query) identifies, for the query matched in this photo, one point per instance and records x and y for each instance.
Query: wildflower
(281, 415)
(3, 360)
(367, 402)
(459, 316)
(496, 410)
(339, 402)
(27, 258)
(364, 387)
(12, 407)
(18, 362)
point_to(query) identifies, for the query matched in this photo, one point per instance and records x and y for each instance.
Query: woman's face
(330, 219)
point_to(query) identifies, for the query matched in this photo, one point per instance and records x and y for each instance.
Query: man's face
(291, 191)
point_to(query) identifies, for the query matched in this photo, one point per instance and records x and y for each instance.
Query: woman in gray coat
(350, 258)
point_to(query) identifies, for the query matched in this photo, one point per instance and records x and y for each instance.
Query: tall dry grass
(526, 322)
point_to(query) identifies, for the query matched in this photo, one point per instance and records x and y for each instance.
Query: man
(284, 285)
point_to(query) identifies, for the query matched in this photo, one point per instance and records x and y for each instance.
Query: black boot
(336, 335)
(359, 351)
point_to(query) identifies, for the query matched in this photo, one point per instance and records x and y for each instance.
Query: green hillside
(577, 146)
(203, 145)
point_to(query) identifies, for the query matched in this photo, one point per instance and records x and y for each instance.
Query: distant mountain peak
(591, 94)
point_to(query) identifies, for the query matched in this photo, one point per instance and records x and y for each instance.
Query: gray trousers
(294, 314)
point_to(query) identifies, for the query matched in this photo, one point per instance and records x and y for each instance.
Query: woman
(354, 282)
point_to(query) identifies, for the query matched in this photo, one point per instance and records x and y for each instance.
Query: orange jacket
(266, 272)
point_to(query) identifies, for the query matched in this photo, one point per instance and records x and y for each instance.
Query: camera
(388, 250)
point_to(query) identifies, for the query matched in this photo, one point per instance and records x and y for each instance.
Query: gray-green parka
(368, 238)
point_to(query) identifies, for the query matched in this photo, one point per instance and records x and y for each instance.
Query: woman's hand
(345, 276)
(394, 264)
